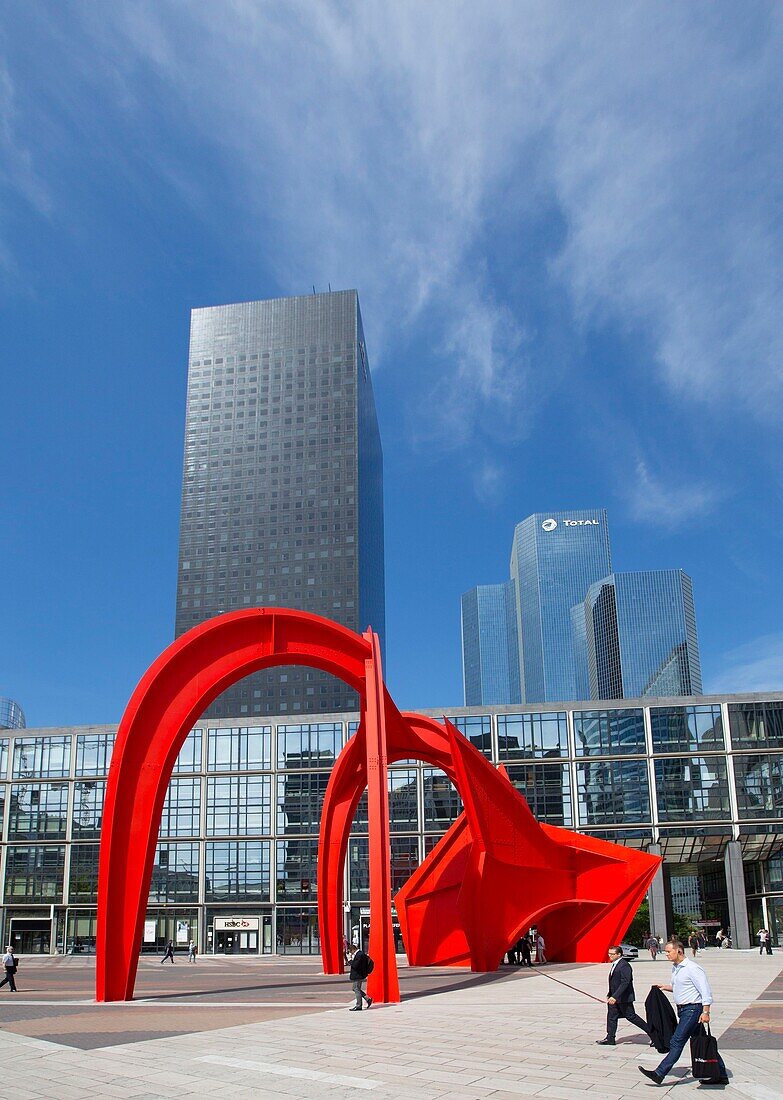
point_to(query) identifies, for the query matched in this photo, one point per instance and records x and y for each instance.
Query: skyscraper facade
(490, 650)
(641, 636)
(555, 558)
(282, 493)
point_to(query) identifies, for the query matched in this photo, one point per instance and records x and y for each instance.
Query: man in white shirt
(693, 997)
(9, 962)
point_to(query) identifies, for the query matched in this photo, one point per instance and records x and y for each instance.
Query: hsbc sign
(551, 524)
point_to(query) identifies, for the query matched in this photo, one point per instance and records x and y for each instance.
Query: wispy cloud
(18, 177)
(373, 143)
(755, 666)
(652, 499)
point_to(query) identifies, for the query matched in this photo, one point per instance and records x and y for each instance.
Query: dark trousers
(168, 955)
(359, 993)
(625, 1010)
(9, 977)
(687, 1024)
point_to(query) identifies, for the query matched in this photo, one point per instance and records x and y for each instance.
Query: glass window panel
(83, 876)
(609, 732)
(41, 757)
(547, 790)
(611, 792)
(3, 757)
(87, 811)
(182, 808)
(3, 789)
(692, 789)
(757, 725)
(237, 870)
(404, 860)
(175, 873)
(403, 800)
(478, 730)
(240, 749)
(189, 758)
(297, 932)
(300, 797)
(35, 873)
(360, 821)
(686, 729)
(38, 811)
(297, 870)
(759, 781)
(312, 745)
(359, 869)
(523, 736)
(442, 804)
(239, 805)
(93, 753)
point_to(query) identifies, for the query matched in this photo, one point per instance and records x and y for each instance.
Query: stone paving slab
(517, 1034)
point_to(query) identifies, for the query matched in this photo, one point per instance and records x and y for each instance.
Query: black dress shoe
(605, 1043)
(656, 1077)
(354, 1009)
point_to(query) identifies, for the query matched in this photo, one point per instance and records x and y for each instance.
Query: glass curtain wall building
(11, 714)
(555, 557)
(640, 635)
(699, 780)
(490, 649)
(282, 491)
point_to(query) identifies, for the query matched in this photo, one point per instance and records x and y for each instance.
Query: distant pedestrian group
(765, 941)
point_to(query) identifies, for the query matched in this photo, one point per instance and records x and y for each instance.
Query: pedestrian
(10, 964)
(192, 951)
(361, 966)
(540, 949)
(693, 943)
(523, 951)
(719, 937)
(765, 941)
(346, 952)
(693, 998)
(169, 952)
(620, 998)
(652, 946)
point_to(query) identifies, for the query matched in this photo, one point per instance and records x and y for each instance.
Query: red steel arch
(170, 697)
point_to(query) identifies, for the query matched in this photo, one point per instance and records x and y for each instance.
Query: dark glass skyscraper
(282, 493)
(641, 635)
(490, 650)
(555, 558)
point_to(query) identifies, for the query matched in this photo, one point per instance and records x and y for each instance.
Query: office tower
(11, 714)
(282, 494)
(490, 653)
(555, 558)
(641, 635)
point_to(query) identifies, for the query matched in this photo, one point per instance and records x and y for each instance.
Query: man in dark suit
(621, 997)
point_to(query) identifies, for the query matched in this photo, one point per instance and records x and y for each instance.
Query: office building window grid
(248, 836)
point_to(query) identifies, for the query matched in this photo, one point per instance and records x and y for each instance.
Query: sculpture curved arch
(170, 697)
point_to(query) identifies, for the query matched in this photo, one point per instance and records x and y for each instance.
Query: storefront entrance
(242, 935)
(30, 935)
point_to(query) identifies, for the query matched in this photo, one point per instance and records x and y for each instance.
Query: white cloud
(653, 500)
(372, 144)
(755, 666)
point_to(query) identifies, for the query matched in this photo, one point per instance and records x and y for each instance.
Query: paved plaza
(239, 1027)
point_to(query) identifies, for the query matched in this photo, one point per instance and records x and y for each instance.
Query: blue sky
(564, 224)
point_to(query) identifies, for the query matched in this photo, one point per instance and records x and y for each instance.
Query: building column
(735, 890)
(656, 898)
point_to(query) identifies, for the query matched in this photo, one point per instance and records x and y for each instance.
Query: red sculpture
(496, 870)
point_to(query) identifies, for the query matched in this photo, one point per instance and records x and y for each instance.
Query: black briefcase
(705, 1064)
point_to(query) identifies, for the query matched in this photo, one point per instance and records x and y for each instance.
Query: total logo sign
(551, 524)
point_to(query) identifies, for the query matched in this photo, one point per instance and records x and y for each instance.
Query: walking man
(540, 948)
(620, 999)
(10, 964)
(652, 946)
(192, 951)
(169, 953)
(361, 966)
(693, 998)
